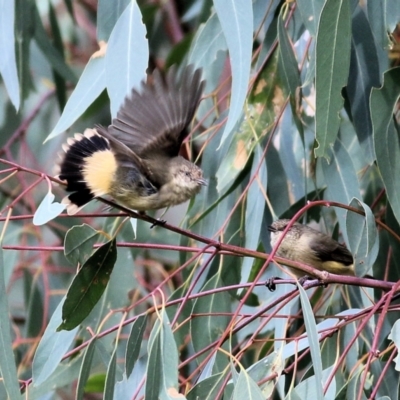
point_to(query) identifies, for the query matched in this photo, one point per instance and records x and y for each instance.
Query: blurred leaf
(246, 388)
(126, 57)
(342, 178)
(134, 343)
(309, 388)
(310, 11)
(239, 151)
(208, 41)
(8, 62)
(47, 210)
(91, 83)
(35, 309)
(333, 44)
(210, 322)
(364, 72)
(8, 369)
(162, 367)
(237, 24)
(386, 138)
(85, 368)
(362, 234)
(88, 285)
(52, 347)
(289, 66)
(95, 383)
(108, 13)
(78, 243)
(54, 58)
(58, 44)
(254, 209)
(206, 389)
(24, 30)
(312, 335)
(108, 393)
(395, 337)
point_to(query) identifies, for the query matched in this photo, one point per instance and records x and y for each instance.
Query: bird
(309, 246)
(136, 160)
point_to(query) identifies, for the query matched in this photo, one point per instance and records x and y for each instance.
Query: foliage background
(299, 118)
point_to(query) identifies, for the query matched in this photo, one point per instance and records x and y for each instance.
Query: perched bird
(136, 159)
(309, 246)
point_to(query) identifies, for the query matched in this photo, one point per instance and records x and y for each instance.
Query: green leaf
(8, 370)
(162, 367)
(246, 388)
(8, 62)
(310, 11)
(364, 73)
(386, 137)
(24, 30)
(208, 388)
(108, 393)
(53, 56)
(134, 343)
(90, 85)
(47, 210)
(85, 368)
(127, 56)
(394, 336)
(237, 24)
(363, 235)
(332, 70)
(312, 334)
(52, 347)
(290, 71)
(88, 285)
(341, 178)
(254, 209)
(78, 243)
(108, 13)
(209, 40)
(208, 327)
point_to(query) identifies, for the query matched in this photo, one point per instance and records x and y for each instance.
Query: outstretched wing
(154, 121)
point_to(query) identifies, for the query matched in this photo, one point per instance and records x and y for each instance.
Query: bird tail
(87, 167)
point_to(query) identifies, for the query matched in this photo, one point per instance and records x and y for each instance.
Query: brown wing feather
(328, 249)
(155, 119)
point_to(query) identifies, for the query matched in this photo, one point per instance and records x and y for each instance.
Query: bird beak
(202, 182)
(271, 228)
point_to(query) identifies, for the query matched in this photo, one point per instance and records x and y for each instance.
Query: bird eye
(187, 173)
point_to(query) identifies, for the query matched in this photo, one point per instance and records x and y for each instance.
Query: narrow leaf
(208, 328)
(254, 209)
(8, 62)
(8, 370)
(362, 236)
(110, 377)
(246, 388)
(91, 84)
(332, 70)
(85, 368)
(236, 18)
(52, 348)
(108, 13)
(364, 72)
(134, 343)
(88, 285)
(127, 56)
(312, 334)
(386, 138)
